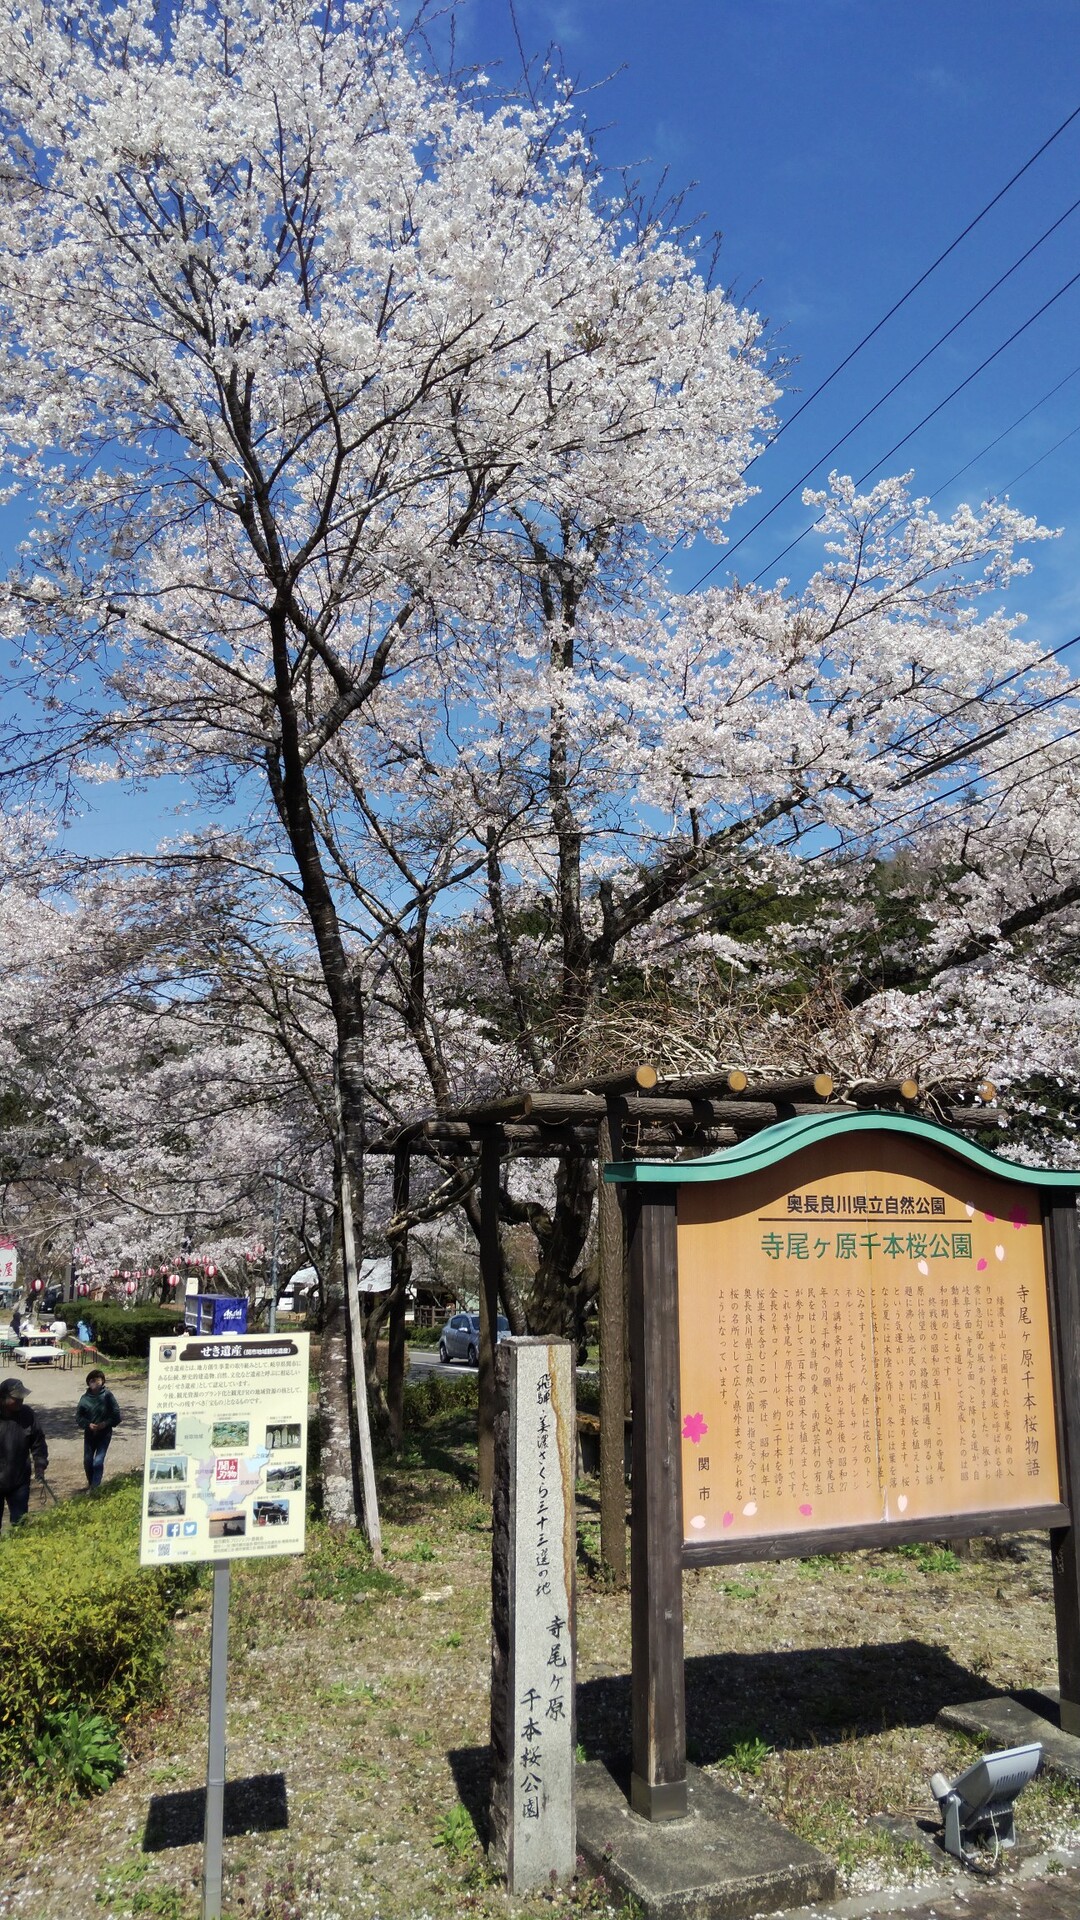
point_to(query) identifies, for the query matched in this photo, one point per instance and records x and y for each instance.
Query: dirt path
(54, 1395)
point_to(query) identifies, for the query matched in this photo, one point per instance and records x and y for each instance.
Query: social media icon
(156, 1530)
(191, 1526)
(173, 1529)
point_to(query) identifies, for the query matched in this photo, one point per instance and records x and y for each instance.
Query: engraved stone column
(532, 1590)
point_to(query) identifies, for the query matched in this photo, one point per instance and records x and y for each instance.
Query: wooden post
(401, 1268)
(1063, 1266)
(489, 1313)
(350, 1267)
(658, 1781)
(611, 1263)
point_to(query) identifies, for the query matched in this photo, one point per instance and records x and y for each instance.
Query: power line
(1022, 475)
(924, 806)
(897, 444)
(1004, 434)
(923, 277)
(866, 338)
(887, 395)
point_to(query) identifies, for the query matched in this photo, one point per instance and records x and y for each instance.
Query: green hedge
(81, 1623)
(123, 1332)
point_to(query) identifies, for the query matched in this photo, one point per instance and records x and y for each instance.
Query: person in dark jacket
(97, 1414)
(21, 1441)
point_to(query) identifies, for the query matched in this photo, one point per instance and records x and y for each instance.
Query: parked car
(461, 1337)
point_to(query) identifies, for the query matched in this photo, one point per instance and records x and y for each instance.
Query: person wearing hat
(21, 1441)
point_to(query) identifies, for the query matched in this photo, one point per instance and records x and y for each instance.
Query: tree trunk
(340, 1504)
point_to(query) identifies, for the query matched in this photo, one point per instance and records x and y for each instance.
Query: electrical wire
(923, 277)
(666, 553)
(897, 444)
(846, 840)
(887, 395)
(1004, 434)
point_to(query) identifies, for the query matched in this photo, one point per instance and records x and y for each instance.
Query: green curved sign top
(777, 1143)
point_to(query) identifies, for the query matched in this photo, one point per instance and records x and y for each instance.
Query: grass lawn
(811, 1687)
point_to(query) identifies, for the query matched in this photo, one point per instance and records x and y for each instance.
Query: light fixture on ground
(978, 1807)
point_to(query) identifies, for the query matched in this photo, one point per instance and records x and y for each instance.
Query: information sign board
(226, 1447)
(864, 1336)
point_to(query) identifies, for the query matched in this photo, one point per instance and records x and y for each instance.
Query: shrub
(124, 1333)
(75, 1753)
(83, 1627)
(439, 1393)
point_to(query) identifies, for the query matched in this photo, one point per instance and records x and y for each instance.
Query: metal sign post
(214, 1820)
(224, 1479)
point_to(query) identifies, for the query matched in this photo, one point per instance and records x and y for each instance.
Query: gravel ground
(54, 1395)
(360, 1709)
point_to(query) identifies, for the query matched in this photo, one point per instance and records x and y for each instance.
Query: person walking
(21, 1441)
(97, 1414)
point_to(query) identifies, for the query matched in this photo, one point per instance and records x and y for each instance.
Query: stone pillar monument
(532, 1582)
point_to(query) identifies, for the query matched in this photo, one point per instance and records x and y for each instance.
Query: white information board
(226, 1447)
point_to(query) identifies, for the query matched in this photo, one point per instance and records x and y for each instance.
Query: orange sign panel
(864, 1337)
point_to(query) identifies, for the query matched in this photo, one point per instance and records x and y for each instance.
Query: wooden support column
(490, 1264)
(400, 1270)
(658, 1781)
(1063, 1262)
(611, 1264)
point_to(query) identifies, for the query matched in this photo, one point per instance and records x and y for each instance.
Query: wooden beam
(1062, 1241)
(641, 1079)
(611, 1314)
(870, 1093)
(722, 1081)
(657, 1680)
(489, 1311)
(400, 1270)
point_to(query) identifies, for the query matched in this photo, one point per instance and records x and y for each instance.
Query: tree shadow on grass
(812, 1696)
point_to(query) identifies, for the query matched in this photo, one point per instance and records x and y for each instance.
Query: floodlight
(979, 1803)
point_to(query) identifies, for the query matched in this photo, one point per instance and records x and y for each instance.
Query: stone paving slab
(1047, 1889)
(726, 1861)
(1011, 1720)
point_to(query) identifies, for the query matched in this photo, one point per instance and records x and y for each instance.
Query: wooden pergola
(621, 1116)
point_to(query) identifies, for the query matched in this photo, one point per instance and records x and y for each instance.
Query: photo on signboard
(284, 1479)
(166, 1500)
(163, 1432)
(230, 1433)
(168, 1352)
(228, 1526)
(271, 1513)
(172, 1467)
(282, 1435)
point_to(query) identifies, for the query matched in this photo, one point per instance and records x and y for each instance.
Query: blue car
(461, 1337)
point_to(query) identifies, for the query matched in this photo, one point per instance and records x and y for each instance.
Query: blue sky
(840, 146)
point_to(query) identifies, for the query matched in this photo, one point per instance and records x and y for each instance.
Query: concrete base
(725, 1861)
(1011, 1720)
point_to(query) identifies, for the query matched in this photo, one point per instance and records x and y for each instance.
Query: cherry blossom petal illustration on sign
(981, 1266)
(806, 1510)
(698, 1521)
(1000, 1252)
(728, 1518)
(693, 1427)
(750, 1509)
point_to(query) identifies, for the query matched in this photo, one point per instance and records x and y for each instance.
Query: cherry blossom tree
(354, 407)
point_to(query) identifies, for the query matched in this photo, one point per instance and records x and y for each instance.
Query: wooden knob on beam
(909, 1089)
(987, 1092)
(736, 1080)
(823, 1084)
